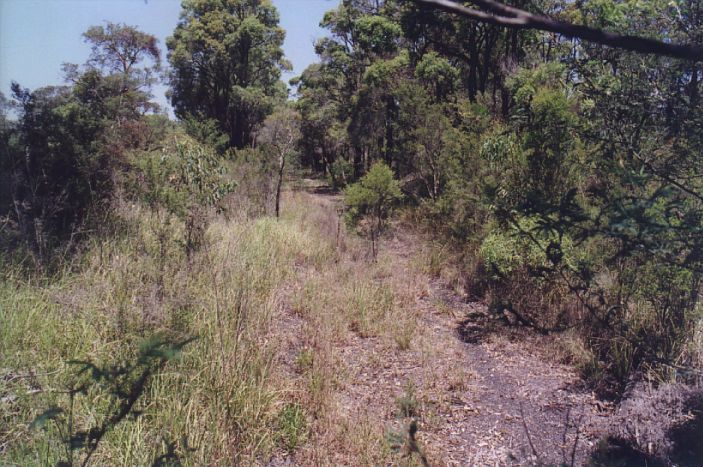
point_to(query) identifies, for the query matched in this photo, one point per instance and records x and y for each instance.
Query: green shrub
(372, 197)
(341, 173)
(503, 251)
(186, 181)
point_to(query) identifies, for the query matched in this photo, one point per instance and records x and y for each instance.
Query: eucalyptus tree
(119, 48)
(361, 62)
(226, 61)
(279, 135)
(371, 199)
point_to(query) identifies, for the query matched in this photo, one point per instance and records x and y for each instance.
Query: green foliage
(504, 251)
(341, 172)
(382, 72)
(348, 102)
(545, 122)
(65, 175)
(189, 175)
(238, 44)
(437, 73)
(292, 426)
(185, 183)
(117, 48)
(565, 166)
(374, 194)
(566, 173)
(66, 156)
(373, 197)
(207, 132)
(377, 34)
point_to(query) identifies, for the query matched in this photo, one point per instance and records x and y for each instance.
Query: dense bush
(65, 156)
(185, 181)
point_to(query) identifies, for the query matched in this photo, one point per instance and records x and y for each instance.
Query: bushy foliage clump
(372, 198)
(563, 168)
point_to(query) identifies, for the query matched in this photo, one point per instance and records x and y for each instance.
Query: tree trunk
(281, 166)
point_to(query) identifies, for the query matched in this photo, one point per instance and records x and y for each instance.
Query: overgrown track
(488, 400)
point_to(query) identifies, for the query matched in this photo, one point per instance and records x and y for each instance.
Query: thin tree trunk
(281, 166)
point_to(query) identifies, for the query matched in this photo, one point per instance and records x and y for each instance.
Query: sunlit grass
(223, 400)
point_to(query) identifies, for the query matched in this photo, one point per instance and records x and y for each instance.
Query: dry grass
(334, 304)
(219, 396)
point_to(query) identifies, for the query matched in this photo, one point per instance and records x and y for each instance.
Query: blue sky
(37, 36)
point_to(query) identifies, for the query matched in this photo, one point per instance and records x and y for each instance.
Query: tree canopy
(226, 60)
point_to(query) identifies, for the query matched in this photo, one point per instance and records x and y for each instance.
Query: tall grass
(225, 400)
(218, 402)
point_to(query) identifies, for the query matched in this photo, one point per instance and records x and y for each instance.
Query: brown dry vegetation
(372, 347)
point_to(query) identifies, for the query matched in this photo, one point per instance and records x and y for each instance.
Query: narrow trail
(497, 400)
(516, 406)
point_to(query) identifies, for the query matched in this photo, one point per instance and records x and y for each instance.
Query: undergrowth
(218, 403)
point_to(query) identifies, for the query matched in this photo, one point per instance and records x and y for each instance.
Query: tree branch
(511, 17)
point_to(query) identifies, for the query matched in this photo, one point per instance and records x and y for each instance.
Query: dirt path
(517, 406)
(493, 401)
(497, 400)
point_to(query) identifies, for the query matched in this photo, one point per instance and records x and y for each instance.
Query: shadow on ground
(681, 444)
(687, 437)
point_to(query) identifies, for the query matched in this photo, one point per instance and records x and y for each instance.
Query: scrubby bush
(255, 176)
(185, 180)
(67, 155)
(341, 173)
(372, 198)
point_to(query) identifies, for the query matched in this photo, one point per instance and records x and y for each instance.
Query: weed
(403, 330)
(304, 360)
(292, 425)
(407, 405)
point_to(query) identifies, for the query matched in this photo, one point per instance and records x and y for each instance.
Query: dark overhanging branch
(511, 17)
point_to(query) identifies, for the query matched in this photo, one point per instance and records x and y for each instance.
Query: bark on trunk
(281, 166)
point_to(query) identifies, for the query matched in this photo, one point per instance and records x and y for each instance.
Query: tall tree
(226, 60)
(118, 48)
(361, 63)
